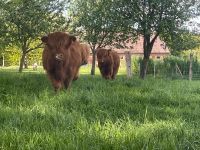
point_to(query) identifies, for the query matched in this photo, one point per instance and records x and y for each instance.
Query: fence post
(190, 67)
(128, 64)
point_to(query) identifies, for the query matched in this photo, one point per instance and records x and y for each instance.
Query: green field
(129, 114)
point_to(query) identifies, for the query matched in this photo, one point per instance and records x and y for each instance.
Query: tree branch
(154, 38)
(38, 46)
(102, 40)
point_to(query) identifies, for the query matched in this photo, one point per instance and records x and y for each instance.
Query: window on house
(158, 57)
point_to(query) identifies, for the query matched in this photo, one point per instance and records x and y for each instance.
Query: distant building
(159, 51)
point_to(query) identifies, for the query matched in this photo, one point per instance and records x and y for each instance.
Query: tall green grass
(98, 114)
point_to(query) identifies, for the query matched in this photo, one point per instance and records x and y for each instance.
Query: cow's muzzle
(59, 57)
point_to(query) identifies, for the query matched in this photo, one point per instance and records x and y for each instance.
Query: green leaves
(96, 21)
(26, 20)
(182, 41)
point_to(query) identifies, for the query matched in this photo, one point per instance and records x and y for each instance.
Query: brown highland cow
(62, 57)
(108, 63)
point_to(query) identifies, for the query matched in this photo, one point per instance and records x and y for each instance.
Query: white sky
(193, 24)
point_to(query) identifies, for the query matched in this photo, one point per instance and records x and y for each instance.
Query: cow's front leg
(57, 84)
(76, 75)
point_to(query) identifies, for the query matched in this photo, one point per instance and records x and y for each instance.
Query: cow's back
(85, 51)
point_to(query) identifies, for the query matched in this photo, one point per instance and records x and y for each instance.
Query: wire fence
(171, 67)
(174, 68)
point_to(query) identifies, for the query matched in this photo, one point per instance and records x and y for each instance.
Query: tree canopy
(98, 22)
(153, 18)
(25, 21)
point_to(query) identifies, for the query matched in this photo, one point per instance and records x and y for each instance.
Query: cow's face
(103, 56)
(58, 43)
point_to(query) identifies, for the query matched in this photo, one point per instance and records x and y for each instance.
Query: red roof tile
(137, 47)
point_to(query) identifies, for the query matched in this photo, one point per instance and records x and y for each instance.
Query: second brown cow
(62, 57)
(108, 63)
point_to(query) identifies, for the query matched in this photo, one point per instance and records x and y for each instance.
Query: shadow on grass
(97, 113)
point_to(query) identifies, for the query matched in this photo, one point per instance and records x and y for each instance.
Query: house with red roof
(159, 51)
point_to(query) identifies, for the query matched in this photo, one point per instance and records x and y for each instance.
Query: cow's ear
(73, 38)
(109, 51)
(44, 39)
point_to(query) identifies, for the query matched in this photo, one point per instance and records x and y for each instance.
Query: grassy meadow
(128, 114)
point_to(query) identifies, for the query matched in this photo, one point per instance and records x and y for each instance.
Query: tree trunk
(144, 65)
(147, 51)
(22, 62)
(147, 46)
(25, 62)
(93, 62)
